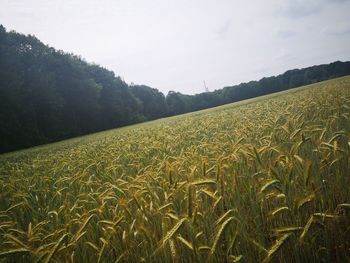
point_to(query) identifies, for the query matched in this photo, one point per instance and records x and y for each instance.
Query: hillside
(262, 180)
(48, 95)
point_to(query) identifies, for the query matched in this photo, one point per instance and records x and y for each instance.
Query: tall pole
(205, 87)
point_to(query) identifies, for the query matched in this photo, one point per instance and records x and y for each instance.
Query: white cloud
(175, 45)
(285, 33)
(337, 30)
(224, 29)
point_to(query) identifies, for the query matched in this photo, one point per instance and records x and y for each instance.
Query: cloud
(285, 33)
(335, 1)
(339, 30)
(224, 30)
(297, 9)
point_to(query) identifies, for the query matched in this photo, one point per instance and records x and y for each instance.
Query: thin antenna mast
(205, 86)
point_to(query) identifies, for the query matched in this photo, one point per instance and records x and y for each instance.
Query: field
(264, 180)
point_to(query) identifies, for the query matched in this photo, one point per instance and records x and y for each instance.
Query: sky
(178, 44)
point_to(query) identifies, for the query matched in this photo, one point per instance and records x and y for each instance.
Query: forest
(48, 95)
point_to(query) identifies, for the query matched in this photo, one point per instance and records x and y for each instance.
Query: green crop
(264, 180)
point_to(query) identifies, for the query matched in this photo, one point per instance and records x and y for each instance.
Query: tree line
(48, 95)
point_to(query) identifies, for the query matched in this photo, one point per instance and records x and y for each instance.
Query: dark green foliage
(47, 95)
(179, 103)
(152, 101)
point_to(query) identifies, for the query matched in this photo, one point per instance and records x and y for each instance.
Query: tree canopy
(48, 95)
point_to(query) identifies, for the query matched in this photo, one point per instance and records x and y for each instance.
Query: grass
(262, 180)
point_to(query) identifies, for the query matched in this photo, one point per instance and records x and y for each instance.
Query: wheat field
(263, 180)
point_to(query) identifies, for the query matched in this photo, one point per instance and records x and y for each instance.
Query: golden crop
(257, 181)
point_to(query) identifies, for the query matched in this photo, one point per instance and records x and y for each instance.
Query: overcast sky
(178, 44)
